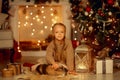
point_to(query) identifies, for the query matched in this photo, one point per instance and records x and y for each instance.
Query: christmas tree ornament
(86, 13)
(110, 13)
(103, 15)
(110, 2)
(90, 28)
(88, 9)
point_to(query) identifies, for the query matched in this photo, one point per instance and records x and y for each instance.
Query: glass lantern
(83, 58)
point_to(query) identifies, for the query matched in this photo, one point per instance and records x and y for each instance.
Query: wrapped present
(16, 67)
(104, 65)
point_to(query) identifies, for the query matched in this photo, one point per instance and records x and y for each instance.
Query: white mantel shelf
(33, 53)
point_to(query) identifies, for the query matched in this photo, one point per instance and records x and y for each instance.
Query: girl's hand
(55, 66)
(72, 72)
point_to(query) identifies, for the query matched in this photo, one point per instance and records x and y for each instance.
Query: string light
(18, 26)
(31, 24)
(27, 6)
(35, 5)
(31, 13)
(51, 14)
(19, 22)
(75, 31)
(36, 16)
(75, 38)
(33, 18)
(39, 21)
(41, 31)
(42, 7)
(33, 30)
(42, 11)
(51, 9)
(32, 34)
(51, 29)
(26, 17)
(25, 25)
(44, 17)
(45, 27)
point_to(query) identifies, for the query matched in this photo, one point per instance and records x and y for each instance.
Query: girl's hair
(61, 24)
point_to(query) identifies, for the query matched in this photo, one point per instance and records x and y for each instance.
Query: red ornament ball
(88, 9)
(110, 2)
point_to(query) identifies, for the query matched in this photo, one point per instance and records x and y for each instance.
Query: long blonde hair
(61, 24)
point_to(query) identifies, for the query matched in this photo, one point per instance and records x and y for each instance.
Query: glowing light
(112, 44)
(51, 29)
(56, 17)
(51, 14)
(116, 48)
(44, 17)
(45, 27)
(86, 13)
(86, 24)
(55, 21)
(108, 39)
(36, 16)
(38, 20)
(26, 17)
(97, 21)
(43, 41)
(25, 25)
(75, 31)
(18, 47)
(52, 24)
(18, 26)
(31, 24)
(27, 6)
(31, 13)
(39, 41)
(42, 7)
(42, 11)
(90, 28)
(93, 42)
(41, 31)
(85, 38)
(32, 34)
(109, 13)
(19, 50)
(41, 22)
(38, 44)
(33, 18)
(82, 66)
(51, 9)
(75, 38)
(33, 30)
(35, 5)
(19, 22)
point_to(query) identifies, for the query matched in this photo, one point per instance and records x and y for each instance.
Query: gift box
(104, 66)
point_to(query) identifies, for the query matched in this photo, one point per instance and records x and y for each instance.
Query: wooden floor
(80, 76)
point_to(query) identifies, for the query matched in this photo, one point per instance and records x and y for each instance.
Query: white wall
(14, 19)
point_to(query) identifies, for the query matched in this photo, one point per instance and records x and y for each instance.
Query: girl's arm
(70, 56)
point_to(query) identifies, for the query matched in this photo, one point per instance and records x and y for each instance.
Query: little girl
(60, 50)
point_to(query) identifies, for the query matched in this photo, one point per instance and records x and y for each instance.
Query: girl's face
(59, 32)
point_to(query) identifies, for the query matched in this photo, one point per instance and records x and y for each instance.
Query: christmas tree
(98, 22)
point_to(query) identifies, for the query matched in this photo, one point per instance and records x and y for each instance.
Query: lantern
(83, 58)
